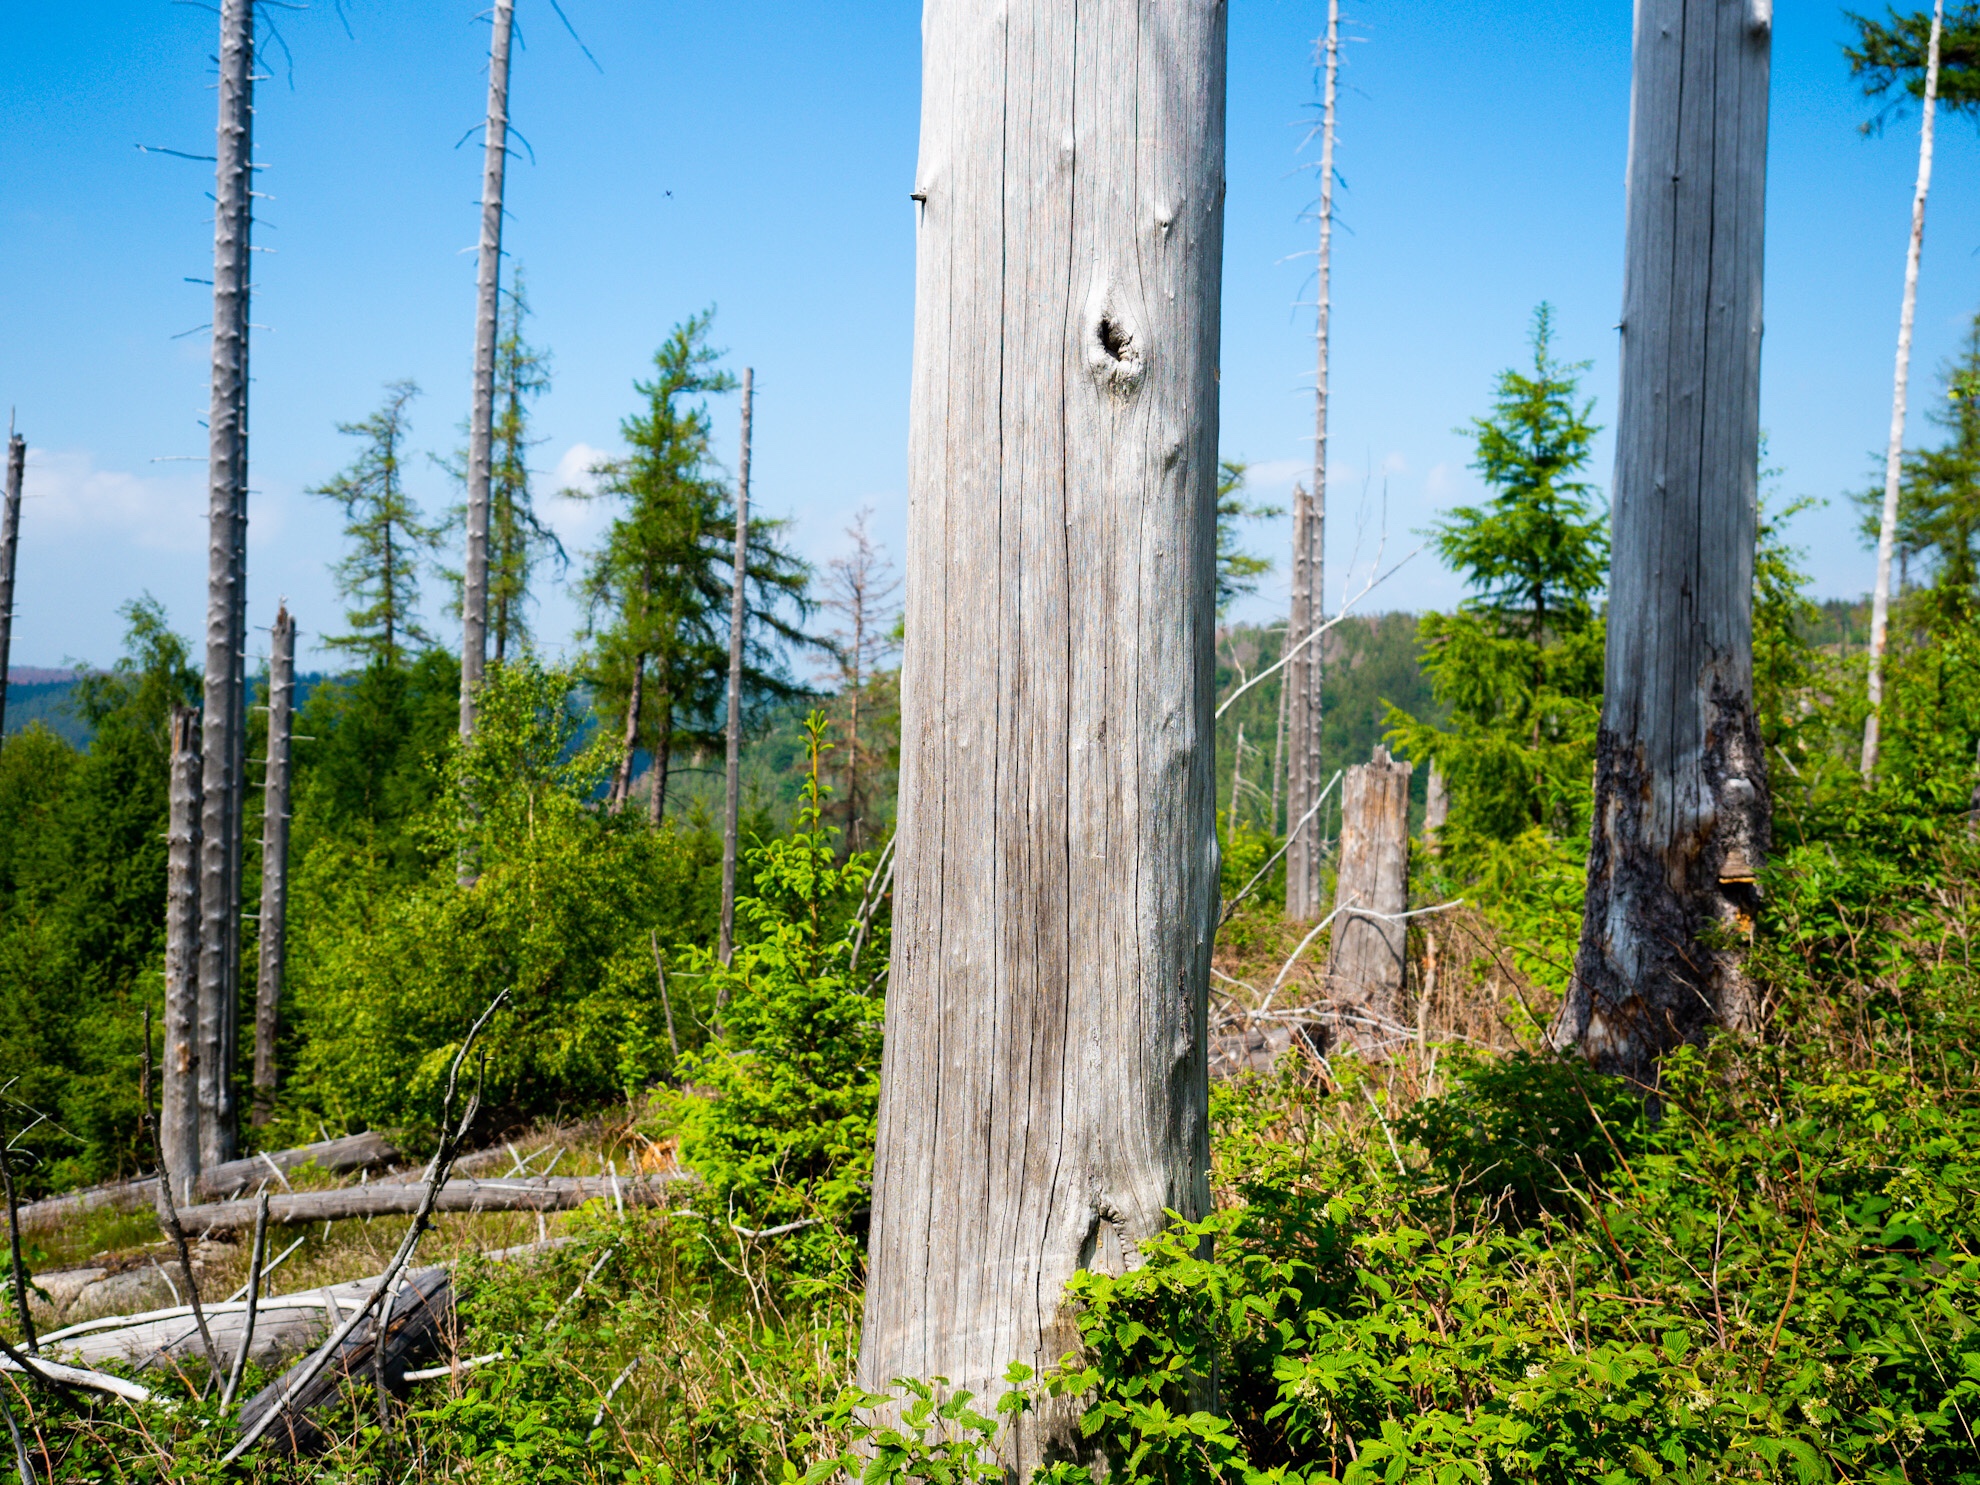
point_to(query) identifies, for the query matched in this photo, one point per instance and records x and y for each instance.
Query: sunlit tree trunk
(178, 1119)
(1681, 806)
(273, 924)
(1043, 1096)
(224, 724)
(481, 418)
(10, 549)
(1880, 598)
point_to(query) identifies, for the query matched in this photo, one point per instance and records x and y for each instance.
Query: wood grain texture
(1681, 812)
(1365, 963)
(272, 935)
(178, 1117)
(1306, 855)
(1043, 1092)
(222, 753)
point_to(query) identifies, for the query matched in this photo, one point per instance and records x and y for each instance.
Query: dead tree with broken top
(1682, 819)
(10, 548)
(481, 419)
(223, 749)
(1366, 966)
(178, 1117)
(1043, 1098)
(272, 940)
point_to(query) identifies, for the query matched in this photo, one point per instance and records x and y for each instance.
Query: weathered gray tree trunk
(1043, 1094)
(10, 546)
(738, 617)
(1880, 599)
(1304, 859)
(481, 420)
(178, 1118)
(1436, 805)
(1365, 956)
(1681, 806)
(635, 699)
(223, 750)
(273, 937)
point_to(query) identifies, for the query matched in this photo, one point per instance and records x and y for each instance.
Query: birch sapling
(1880, 598)
(738, 618)
(10, 547)
(273, 938)
(481, 421)
(1682, 821)
(224, 722)
(178, 1119)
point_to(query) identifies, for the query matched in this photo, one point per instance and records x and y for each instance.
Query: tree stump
(1365, 963)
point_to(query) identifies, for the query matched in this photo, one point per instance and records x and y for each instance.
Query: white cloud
(68, 496)
(1395, 464)
(578, 523)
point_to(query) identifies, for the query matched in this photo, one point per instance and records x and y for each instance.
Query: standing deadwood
(1306, 863)
(273, 937)
(16, 1267)
(10, 543)
(1237, 781)
(223, 753)
(1279, 753)
(1303, 859)
(1365, 960)
(1682, 820)
(1043, 1092)
(481, 421)
(178, 1119)
(1436, 805)
(622, 778)
(738, 617)
(1880, 600)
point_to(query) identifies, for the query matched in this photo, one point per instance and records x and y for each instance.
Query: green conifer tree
(1519, 665)
(518, 541)
(380, 575)
(659, 586)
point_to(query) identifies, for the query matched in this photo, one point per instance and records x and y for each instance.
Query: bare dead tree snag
(257, 1255)
(1436, 805)
(223, 752)
(738, 618)
(1044, 1093)
(178, 1119)
(1681, 806)
(17, 1268)
(1299, 662)
(273, 936)
(10, 548)
(859, 586)
(481, 422)
(1366, 967)
(1306, 862)
(1880, 599)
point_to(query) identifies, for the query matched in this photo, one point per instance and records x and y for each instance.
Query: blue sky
(756, 156)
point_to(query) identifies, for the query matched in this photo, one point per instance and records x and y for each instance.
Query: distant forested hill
(43, 696)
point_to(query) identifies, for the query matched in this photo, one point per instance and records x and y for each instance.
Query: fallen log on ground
(412, 1335)
(382, 1199)
(354, 1152)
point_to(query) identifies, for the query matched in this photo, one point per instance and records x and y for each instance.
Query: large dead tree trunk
(178, 1119)
(1365, 963)
(738, 617)
(10, 544)
(273, 936)
(223, 754)
(1681, 805)
(1043, 1094)
(481, 421)
(1880, 599)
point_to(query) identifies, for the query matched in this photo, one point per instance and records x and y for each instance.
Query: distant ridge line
(37, 675)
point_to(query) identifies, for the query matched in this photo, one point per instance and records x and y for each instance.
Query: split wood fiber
(178, 1115)
(10, 551)
(738, 618)
(481, 418)
(224, 751)
(1043, 1093)
(1681, 805)
(272, 935)
(1365, 960)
